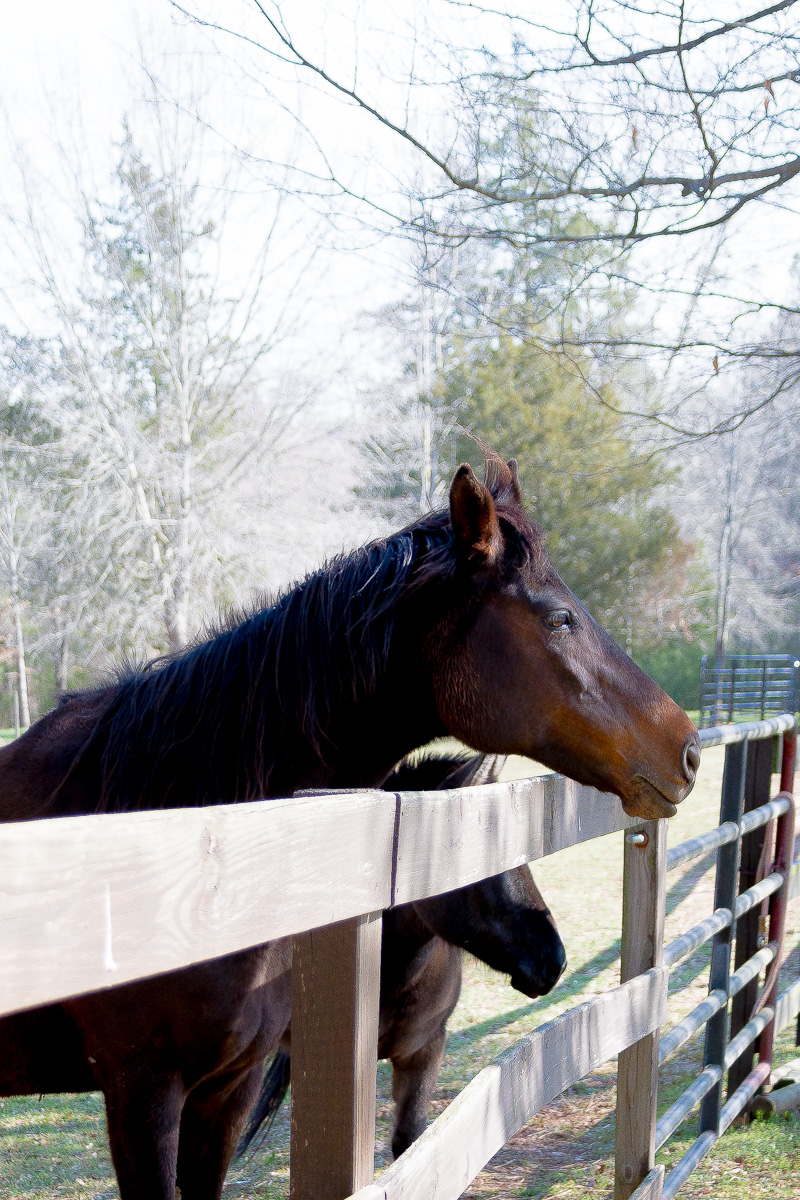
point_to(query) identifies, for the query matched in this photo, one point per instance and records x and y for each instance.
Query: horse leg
(211, 1125)
(413, 1084)
(143, 1127)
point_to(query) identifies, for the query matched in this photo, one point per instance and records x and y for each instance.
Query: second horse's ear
(476, 528)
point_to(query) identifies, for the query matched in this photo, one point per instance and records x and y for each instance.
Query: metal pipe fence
(729, 1043)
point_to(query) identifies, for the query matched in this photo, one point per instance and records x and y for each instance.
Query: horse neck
(406, 945)
(248, 715)
(368, 735)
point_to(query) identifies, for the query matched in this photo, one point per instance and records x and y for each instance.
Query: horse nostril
(691, 757)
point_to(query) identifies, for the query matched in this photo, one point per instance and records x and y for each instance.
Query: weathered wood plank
(650, 1188)
(504, 1096)
(452, 838)
(643, 903)
(90, 902)
(787, 1006)
(794, 881)
(335, 997)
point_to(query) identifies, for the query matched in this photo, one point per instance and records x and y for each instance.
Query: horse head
(520, 667)
(504, 920)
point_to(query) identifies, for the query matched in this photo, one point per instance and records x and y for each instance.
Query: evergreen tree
(592, 489)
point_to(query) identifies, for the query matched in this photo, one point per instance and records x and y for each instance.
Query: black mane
(203, 726)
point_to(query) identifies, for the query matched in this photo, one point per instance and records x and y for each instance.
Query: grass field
(56, 1146)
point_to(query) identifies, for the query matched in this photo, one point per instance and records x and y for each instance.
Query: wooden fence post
(335, 996)
(643, 903)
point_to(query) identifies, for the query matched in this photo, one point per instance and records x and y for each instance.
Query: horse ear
(516, 490)
(475, 525)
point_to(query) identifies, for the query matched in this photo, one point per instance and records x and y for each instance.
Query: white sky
(70, 71)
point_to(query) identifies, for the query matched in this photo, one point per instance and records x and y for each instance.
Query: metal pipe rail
(747, 731)
(729, 831)
(747, 1035)
(780, 884)
(677, 1113)
(699, 934)
(680, 1034)
(696, 937)
(694, 847)
(700, 1148)
(710, 1075)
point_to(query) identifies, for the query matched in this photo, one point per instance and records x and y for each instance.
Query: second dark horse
(502, 921)
(187, 1038)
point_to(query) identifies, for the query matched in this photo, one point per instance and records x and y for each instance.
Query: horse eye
(560, 619)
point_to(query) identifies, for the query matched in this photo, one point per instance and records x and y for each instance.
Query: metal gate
(754, 883)
(742, 686)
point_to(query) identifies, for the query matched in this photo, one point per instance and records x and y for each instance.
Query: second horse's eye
(561, 618)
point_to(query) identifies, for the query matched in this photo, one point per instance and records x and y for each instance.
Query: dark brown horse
(457, 624)
(502, 921)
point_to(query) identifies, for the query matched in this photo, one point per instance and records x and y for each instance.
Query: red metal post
(778, 904)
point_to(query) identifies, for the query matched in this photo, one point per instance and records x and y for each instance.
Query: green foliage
(675, 666)
(584, 479)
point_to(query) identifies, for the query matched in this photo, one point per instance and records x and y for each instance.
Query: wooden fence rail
(91, 902)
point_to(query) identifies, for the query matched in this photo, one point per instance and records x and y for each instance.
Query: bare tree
(667, 119)
(634, 123)
(158, 387)
(740, 502)
(156, 401)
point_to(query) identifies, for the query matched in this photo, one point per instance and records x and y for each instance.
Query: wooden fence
(87, 903)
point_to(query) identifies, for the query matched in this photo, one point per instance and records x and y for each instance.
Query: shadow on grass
(47, 1128)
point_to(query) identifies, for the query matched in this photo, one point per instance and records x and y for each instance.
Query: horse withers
(503, 921)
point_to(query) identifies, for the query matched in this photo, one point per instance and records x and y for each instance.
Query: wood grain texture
(643, 904)
(650, 1187)
(335, 1000)
(504, 1096)
(451, 838)
(794, 881)
(90, 902)
(788, 1006)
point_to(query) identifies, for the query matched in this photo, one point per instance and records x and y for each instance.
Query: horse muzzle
(542, 978)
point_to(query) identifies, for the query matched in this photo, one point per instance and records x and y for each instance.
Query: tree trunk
(724, 576)
(62, 664)
(22, 684)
